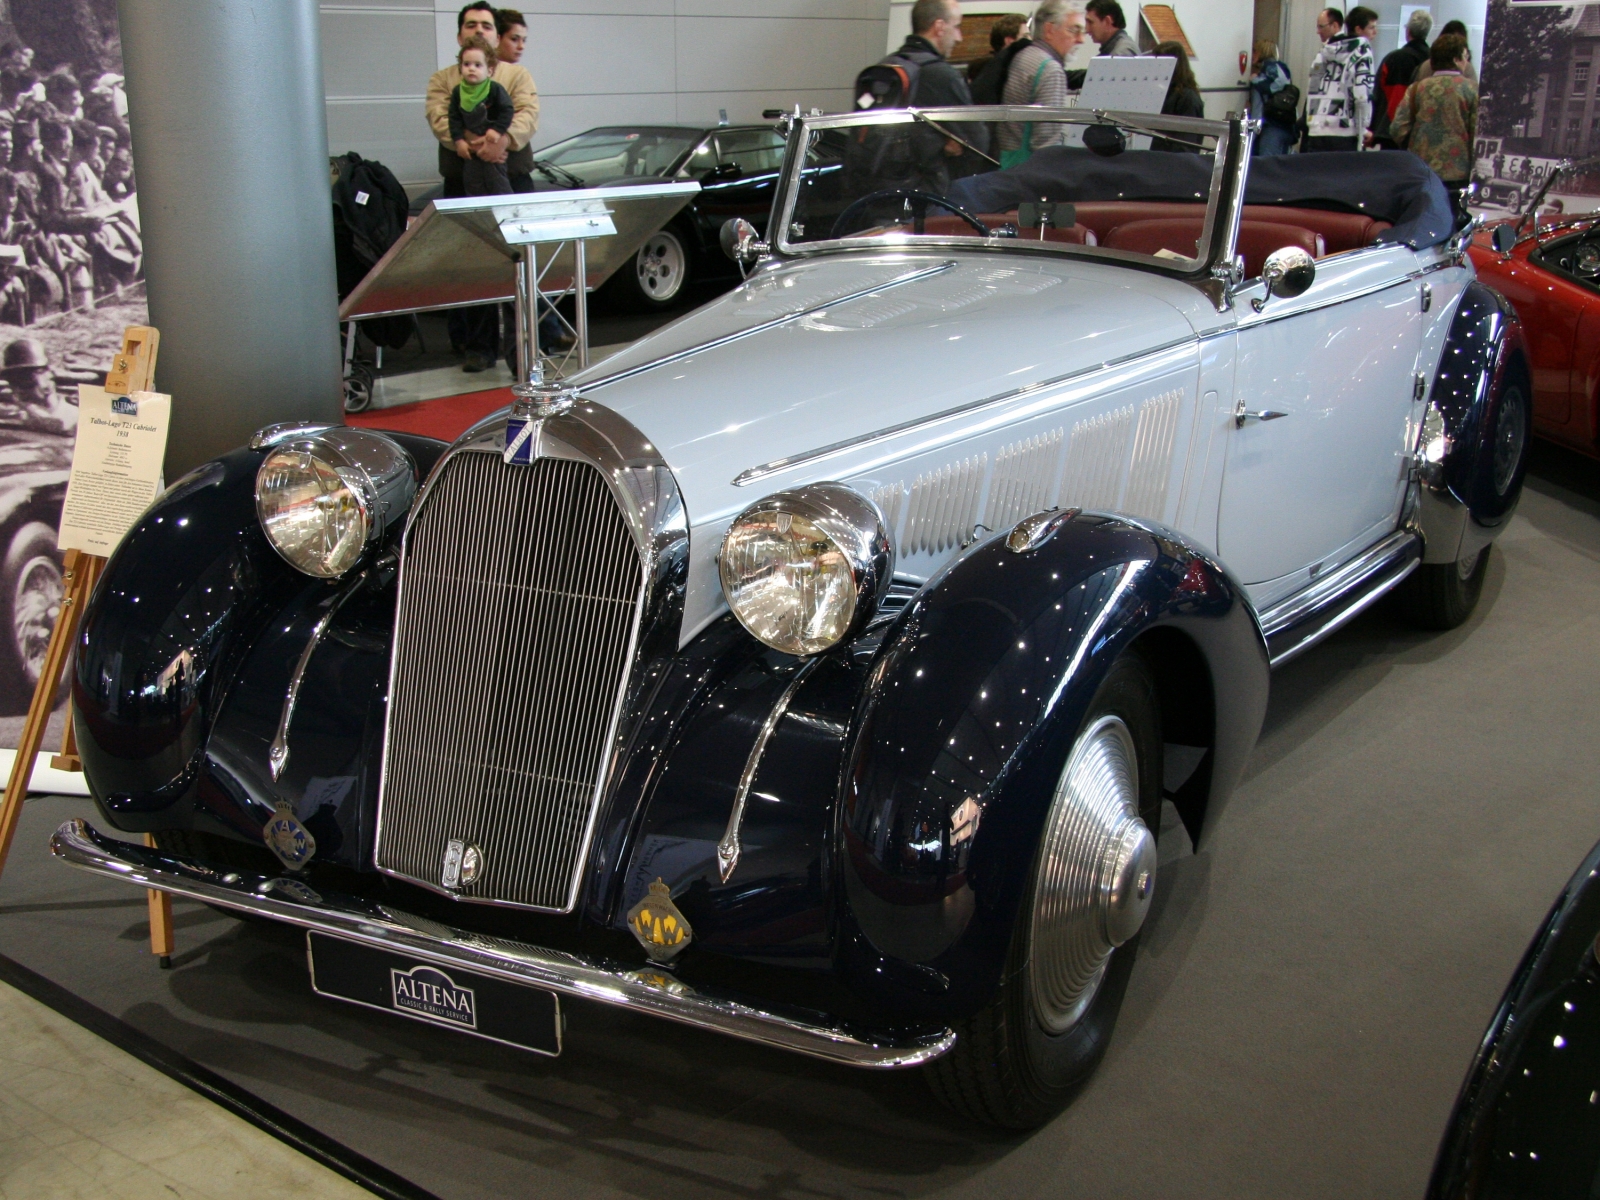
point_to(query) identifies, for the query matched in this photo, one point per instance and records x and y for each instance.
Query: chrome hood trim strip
(642, 990)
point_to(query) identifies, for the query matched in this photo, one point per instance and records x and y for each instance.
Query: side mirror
(740, 241)
(1287, 272)
(1504, 237)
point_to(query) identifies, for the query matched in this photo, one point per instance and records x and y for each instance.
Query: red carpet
(446, 418)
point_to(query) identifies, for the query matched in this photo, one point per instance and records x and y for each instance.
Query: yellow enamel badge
(661, 929)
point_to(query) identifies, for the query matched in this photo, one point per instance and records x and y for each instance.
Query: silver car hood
(980, 327)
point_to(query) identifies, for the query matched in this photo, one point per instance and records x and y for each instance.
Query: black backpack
(369, 215)
(891, 156)
(1283, 106)
(990, 85)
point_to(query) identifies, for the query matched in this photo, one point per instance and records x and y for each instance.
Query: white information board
(1124, 84)
(116, 466)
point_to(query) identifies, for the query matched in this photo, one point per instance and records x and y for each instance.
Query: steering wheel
(918, 201)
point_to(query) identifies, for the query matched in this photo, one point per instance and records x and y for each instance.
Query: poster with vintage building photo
(1539, 106)
(71, 279)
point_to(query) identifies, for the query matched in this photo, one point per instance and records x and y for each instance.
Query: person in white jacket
(1339, 88)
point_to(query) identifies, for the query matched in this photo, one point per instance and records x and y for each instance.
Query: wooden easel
(132, 370)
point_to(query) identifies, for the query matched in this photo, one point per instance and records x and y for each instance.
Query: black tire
(1006, 1069)
(30, 601)
(357, 389)
(1441, 596)
(655, 279)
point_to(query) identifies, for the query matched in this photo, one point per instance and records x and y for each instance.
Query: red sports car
(1548, 266)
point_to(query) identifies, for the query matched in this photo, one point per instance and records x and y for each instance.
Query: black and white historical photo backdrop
(1540, 105)
(71, 279)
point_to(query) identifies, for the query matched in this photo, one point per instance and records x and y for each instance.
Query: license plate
(448, 996)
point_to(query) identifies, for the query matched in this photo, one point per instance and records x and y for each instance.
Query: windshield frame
(1224, 204)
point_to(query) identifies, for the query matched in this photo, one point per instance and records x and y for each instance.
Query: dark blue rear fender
(969, 714)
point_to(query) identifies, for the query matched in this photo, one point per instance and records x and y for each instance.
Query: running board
(1311, 614)
(644, 990)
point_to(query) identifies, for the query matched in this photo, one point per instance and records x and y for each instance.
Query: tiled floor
(82, 1120)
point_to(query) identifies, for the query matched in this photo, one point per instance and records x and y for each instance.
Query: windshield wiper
(557, 175)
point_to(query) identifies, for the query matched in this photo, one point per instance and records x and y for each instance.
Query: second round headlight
(802, 569)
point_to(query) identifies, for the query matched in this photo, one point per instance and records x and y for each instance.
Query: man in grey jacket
(1105, 23)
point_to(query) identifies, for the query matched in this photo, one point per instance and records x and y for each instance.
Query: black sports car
(736, 165)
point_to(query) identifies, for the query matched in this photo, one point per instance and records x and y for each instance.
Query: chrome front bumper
(641, 990)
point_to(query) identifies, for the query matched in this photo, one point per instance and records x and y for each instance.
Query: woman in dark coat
(1183, 94)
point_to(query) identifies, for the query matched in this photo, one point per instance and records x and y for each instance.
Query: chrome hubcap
(660, 266)
(1097, 874)
(1509, 435)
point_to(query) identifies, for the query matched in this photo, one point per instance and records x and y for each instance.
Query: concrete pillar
(230, 149)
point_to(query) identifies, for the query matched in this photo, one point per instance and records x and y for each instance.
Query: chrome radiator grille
(515, 626)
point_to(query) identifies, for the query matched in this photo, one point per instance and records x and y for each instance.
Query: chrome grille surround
(441, 750)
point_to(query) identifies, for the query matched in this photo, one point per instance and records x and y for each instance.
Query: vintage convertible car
(1548, 267)
(815, 670)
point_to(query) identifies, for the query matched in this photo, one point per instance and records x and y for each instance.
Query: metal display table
(491, 249)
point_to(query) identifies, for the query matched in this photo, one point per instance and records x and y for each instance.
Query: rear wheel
(1018, 1060)
(30, 601)
(656, 277)
(1443, 595)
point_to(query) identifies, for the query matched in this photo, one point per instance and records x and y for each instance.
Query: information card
(116, 466)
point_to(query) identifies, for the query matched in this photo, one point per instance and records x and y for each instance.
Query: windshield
(1115, 185)
(611, 153)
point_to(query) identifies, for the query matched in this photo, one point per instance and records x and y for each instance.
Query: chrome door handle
(1241, 415)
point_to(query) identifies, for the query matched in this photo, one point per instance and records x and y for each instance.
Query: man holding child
(476, 330)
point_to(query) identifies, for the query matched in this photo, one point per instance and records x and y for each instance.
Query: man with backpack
(918, 157)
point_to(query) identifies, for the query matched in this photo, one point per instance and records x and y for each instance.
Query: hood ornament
(533, 403)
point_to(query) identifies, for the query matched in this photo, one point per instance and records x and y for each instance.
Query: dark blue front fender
(968, 718)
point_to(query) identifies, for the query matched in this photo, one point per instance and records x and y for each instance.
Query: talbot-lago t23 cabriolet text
(815, 670)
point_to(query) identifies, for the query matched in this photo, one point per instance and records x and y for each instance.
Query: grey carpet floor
(1306, 1001)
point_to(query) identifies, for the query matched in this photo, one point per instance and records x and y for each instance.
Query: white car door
(1306, 489)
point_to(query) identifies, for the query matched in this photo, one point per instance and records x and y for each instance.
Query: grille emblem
(288, 839)
(463, 863)
(662, 930)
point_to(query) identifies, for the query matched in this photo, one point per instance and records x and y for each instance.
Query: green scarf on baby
(473, 94)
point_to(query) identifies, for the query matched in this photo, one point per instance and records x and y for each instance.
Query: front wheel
(1017, 1061)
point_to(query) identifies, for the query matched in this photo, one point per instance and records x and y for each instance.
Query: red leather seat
(946, 225)
(1181, 235)
(1340, 231)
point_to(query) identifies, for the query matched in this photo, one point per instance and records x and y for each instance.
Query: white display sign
(116, 466)
(1124, 84)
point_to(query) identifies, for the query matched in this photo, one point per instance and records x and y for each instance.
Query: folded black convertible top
(1391, 185)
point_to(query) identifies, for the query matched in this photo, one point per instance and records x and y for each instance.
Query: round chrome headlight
(323, 497)
(803, 569)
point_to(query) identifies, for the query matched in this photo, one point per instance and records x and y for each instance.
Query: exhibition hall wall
(596, 62)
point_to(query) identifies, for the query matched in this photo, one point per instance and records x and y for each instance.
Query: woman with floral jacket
(1439, 116)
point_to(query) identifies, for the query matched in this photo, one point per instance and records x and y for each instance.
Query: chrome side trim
(588, 385)
(728, 848)
(753, 474)
(1311, 614)
(654, 993)
(278, 752)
